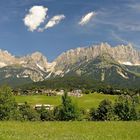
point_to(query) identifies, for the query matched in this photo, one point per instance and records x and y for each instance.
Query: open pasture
(69, 130)
(85, 102)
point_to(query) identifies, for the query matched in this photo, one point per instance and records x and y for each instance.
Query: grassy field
(69, 130)
(86, 102)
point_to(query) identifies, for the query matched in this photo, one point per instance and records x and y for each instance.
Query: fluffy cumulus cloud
(52, 22)
(87, 18)
(36, 16)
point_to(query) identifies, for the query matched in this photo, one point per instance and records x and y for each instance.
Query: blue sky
(114, 21)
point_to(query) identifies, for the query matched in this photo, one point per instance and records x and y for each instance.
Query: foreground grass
(69, 130)
(86, 102)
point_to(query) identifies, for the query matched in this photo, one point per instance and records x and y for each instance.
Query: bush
(125, 108)
(28, 113)
(57, 113)
(86, 91)
(46, 115)
(104, 112)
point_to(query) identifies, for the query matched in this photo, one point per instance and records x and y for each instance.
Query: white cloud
(36, 16)
(87, 18)
(52, 22)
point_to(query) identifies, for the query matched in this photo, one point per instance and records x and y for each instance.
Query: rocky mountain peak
(38, 68)
(37, 56)
(35, 60)
(6, 58)
(103, 46)
(124, 54)
(4, 53)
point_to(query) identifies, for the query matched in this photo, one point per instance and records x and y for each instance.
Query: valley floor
(69, 130)
(85, 102)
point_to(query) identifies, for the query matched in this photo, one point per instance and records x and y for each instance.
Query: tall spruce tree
(68, 110)
(8, 105)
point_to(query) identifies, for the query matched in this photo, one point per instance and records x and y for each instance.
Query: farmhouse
(46, 106)
(61, 92)
(76, 93)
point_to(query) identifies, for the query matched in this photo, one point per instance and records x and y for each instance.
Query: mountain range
(119, 66)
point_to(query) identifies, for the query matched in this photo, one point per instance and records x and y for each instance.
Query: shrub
(104, 112)
(125, 108)
(28, 113)
(46, 115)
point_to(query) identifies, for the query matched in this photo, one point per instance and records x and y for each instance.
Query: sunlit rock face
(32, 66)
(81, 61)
(122, 54)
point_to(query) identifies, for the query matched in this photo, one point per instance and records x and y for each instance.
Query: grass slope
(86, 102)
(69, 130)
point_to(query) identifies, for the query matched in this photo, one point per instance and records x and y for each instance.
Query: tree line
(125, 108)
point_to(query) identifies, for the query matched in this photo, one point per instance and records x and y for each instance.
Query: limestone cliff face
(35, 61)
(36, 67)
(32, 66)
(6, 58)
(122, 54)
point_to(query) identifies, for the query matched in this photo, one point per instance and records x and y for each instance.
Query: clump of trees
(27, 113)
(104, 112)
(124, 109)
(10, 110)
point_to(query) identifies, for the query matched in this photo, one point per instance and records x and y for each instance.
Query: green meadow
(69, 130)
(82, 130)
(85, 102)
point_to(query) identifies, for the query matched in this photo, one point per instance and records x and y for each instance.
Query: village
(48, 92)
